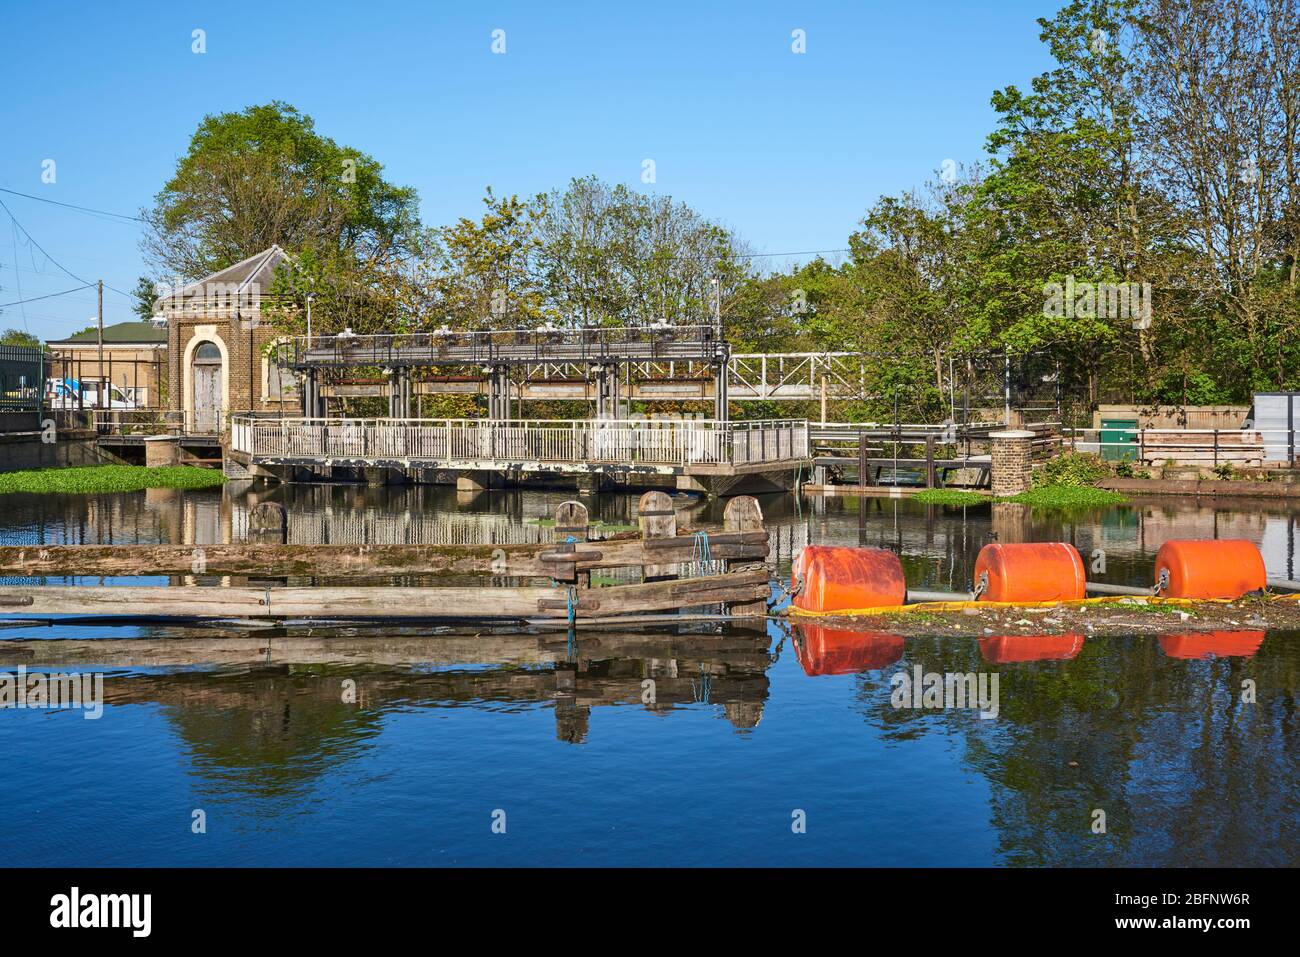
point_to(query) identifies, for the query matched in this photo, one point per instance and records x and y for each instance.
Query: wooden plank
(379, 601)
(344, 560)
(743, 515)
(468, 647)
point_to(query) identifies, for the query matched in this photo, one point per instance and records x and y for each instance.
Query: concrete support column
(607, 392)
(720, 396)
(689, 483)
(499, 393)
(1013, 461)
(161, 450)
(399, 394)
(473, 481)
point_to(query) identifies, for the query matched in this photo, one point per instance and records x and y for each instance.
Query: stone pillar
(1013, 461)
(161, 450)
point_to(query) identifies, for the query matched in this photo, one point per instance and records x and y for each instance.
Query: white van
(73, 394)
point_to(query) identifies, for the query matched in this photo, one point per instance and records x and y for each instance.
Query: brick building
(134, 361)
(217, 346)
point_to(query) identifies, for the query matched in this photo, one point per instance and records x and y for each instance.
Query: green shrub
(1072, 469)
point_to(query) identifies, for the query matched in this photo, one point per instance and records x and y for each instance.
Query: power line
(806, 252)
(62, 268)
(60, 265)
(19, 302)
(83, 209)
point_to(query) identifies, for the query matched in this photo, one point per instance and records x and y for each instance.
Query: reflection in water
(1212, 644)
(1008, 649)
(838, 651)
(937, 544)
(282, 708)
(254, 724)
(1164, 746)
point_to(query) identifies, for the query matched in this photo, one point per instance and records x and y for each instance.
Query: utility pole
(99, 322)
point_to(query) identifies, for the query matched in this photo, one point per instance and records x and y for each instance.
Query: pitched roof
(119, 333)
(248, 278)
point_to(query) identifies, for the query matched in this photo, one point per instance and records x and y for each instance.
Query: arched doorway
(206, 370)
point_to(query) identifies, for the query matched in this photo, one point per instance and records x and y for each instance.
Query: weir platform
(706, 456)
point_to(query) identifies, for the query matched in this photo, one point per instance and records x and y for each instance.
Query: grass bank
(109, 478)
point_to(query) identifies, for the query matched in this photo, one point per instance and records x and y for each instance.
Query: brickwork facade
(1013, 461)
(225, 310)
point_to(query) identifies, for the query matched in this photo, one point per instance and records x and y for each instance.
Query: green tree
(16, 337)
(265, 176)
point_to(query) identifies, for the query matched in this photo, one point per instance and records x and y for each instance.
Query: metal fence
(22, 378)
(443, 346)
(522, 443)
(1200, 447)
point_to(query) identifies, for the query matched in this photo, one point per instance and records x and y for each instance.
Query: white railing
(657, 442)
(796, 375)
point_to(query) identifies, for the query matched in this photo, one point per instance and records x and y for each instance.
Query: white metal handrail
(664, 442)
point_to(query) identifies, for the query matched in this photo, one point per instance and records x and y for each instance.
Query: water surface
(747, 733)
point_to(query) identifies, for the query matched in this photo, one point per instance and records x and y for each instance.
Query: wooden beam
(344, 560)
(381, 601)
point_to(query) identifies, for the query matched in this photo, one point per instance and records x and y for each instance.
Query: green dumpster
(1116, 431)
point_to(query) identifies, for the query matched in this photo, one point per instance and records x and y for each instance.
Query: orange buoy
(1213, 568)
(1039, 571)
(835, 578)
(838, 651)
(1009, 649)
(1212, 644)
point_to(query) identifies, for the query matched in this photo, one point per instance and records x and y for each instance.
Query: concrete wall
(27, 451)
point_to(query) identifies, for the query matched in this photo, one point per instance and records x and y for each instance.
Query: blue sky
(789, 150)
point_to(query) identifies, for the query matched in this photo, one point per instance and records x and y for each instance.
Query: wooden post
(657, 519)
(571, 522)
(743, 514)
(864, 466)
(929, 461)
(99, 326)
(268, 524)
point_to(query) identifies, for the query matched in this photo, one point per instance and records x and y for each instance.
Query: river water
(496, 746)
